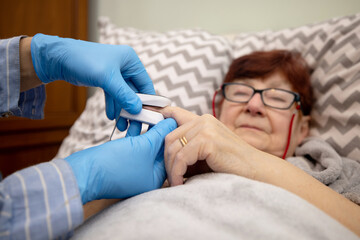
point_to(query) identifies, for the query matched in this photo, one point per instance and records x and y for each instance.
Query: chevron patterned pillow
(332, 50)
(185, 65)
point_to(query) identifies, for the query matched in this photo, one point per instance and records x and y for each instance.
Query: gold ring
(183, 141)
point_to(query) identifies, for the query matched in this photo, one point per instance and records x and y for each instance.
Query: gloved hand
(123, 167)
(111, 67)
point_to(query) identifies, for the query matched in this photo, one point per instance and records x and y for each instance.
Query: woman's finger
(171, 149)
(180, 115)
(185, 157)
(173, 141)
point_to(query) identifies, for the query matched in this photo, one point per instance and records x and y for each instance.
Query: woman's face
(261, 126)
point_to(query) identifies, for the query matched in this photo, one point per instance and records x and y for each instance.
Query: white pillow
(185, 66)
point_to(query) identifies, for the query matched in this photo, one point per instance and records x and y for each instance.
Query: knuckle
(130, 51)
(171, 149)
(127, 48)
(169, 139)
(179, 169)
(179, 157)
(207, 129)
(208, 117)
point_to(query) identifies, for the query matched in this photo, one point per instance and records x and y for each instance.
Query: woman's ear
(304, 126)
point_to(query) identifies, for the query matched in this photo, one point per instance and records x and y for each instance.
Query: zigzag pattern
(332, 50)
(195, 61)
(351, 148)
(325, 87)
(342, 127)
(341, 106)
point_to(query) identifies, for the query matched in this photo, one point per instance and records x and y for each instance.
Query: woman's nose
(255, 106)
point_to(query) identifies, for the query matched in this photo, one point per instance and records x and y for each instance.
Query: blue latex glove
(123, 167)
(111, 67)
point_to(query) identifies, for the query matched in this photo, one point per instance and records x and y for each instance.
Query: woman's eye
(277, 99)
(241, 93)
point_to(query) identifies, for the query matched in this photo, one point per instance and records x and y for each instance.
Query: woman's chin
(261, 142)
(257, 139)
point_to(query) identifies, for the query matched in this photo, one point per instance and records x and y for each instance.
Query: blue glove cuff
(41, 48)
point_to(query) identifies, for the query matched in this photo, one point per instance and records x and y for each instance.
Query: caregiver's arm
(210, 140)
(96, 206)
(28, 77)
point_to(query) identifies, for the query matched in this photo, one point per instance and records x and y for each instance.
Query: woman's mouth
(247, 126)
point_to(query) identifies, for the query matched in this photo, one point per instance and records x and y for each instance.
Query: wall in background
(217, 16)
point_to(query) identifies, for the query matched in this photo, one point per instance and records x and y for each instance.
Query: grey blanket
(224, 206)
(214, 206)
(319, 159)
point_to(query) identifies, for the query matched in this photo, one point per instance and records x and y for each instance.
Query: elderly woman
(263, 117)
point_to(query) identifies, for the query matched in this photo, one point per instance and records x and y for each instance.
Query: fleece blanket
(214, 206)
(320, 160)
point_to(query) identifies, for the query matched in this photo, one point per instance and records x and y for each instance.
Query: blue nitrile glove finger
(123, 167)
(134, 129)
(110, 104)
(113, 111)
(92, 64)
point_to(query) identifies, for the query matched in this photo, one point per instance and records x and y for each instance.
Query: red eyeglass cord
(290, 126)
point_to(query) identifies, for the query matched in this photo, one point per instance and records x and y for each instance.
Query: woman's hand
(207, 140)
(211, 141)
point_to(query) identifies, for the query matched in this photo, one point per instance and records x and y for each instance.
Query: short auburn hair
(262, 64)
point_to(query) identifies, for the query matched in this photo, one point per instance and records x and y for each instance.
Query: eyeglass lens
(272, 97)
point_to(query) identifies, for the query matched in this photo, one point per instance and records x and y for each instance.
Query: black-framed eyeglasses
(272, 97)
